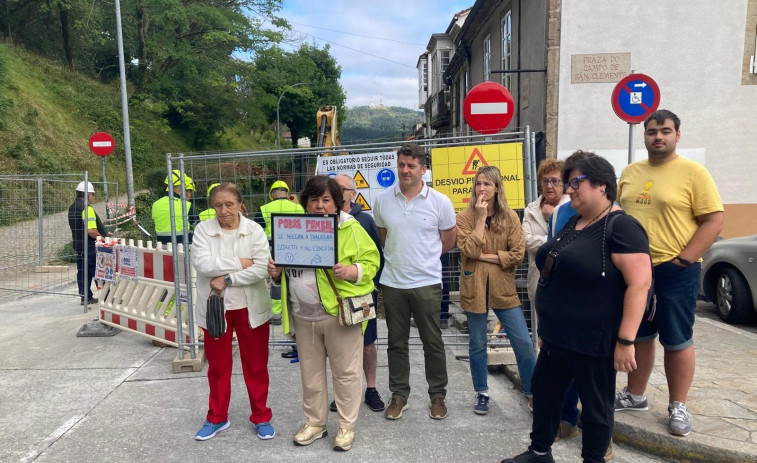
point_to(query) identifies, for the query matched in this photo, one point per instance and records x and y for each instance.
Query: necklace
(592, 221)
(560, 244)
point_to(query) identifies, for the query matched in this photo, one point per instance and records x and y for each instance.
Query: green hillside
(366, 124)
(48, 113)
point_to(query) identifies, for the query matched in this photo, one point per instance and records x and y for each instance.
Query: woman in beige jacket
(536, 216)
(491, 241)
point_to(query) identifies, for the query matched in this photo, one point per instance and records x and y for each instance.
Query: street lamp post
(278, 125)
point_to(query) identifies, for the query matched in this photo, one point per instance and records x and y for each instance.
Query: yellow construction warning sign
(455, 167)
(360, 200)
(361, 182)
(475, 161)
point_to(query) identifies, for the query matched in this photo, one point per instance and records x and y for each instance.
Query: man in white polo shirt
(416, 226)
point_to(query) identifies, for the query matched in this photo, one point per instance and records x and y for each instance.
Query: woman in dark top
(595, 275)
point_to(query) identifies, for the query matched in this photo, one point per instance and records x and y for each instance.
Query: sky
(376, 42)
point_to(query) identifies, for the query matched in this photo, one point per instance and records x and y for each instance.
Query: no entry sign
(488, 108)
(635, 97)
(102, 144)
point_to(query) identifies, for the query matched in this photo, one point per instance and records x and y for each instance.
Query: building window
(507, 40)
(445, 60)
(487, 57)
(424, 76)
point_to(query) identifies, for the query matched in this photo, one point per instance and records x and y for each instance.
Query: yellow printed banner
(455, 167)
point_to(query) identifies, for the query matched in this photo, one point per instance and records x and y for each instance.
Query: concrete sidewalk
(115, 399)
(722, 401)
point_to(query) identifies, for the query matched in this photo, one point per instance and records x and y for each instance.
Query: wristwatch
(227, 280)
(625, 342)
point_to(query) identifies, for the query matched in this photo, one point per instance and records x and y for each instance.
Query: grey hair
(353, 185)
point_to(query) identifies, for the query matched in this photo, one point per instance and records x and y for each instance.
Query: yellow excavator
(328, 135)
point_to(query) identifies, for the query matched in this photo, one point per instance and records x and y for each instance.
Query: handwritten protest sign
(307, 240)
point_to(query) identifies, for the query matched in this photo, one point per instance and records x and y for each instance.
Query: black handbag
(215, 316)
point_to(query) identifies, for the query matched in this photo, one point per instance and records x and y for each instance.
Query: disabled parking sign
(635, 97)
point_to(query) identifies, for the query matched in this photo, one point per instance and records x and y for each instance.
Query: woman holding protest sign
(310, 310)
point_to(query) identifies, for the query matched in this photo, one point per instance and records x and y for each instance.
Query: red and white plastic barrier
(140, 297)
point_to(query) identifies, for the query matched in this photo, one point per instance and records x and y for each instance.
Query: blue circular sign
(331, 174)
(635, 97)
(385, 177)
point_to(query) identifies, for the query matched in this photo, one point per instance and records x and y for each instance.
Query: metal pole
(85, 243)
(41, 218)
(526, 152)
(278, 123)
(105, 190)
(278, 126)
(124, 109)
(534, 168)
(631, 134)
(187, 269)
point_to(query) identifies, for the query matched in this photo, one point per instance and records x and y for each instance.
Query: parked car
(729, 278)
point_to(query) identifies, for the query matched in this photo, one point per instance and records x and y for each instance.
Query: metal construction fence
(36, 252)
(255, 172)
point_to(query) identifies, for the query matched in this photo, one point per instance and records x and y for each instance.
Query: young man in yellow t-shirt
(676, 201)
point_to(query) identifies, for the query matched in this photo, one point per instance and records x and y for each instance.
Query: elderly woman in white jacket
(230, 255)
(536, 215)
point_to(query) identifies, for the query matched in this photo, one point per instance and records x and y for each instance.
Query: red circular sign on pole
(102, 143)
(635, 97)
(488, 108)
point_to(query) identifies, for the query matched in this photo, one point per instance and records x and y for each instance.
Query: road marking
(488, 108)
(55, 435)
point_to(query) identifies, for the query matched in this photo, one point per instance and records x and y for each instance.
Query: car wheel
(732, 297)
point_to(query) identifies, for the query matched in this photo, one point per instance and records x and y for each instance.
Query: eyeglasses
(575, 182)
(344, 188)
(555, 182)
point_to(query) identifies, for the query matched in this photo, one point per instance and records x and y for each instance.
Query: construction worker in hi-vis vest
(210, 212)
(161, 212)
(280, 203)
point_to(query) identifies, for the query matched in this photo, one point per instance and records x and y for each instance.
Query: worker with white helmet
(85, 228)
(161, 209)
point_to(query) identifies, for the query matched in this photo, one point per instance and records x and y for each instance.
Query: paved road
(69, 399)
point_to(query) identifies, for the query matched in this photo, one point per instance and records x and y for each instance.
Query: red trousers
(253, 351)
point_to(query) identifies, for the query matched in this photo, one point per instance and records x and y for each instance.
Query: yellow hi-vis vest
(161, 215)
(281, 205)
(207, 214)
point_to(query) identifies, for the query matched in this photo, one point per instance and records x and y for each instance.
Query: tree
(275, 71)
(185, 57)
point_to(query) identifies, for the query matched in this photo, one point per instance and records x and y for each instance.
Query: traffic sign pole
(631, 135)
(105, 189)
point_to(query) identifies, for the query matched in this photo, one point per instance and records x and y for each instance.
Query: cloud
(374, 70)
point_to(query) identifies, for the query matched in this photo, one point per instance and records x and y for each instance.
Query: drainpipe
(520, 16)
